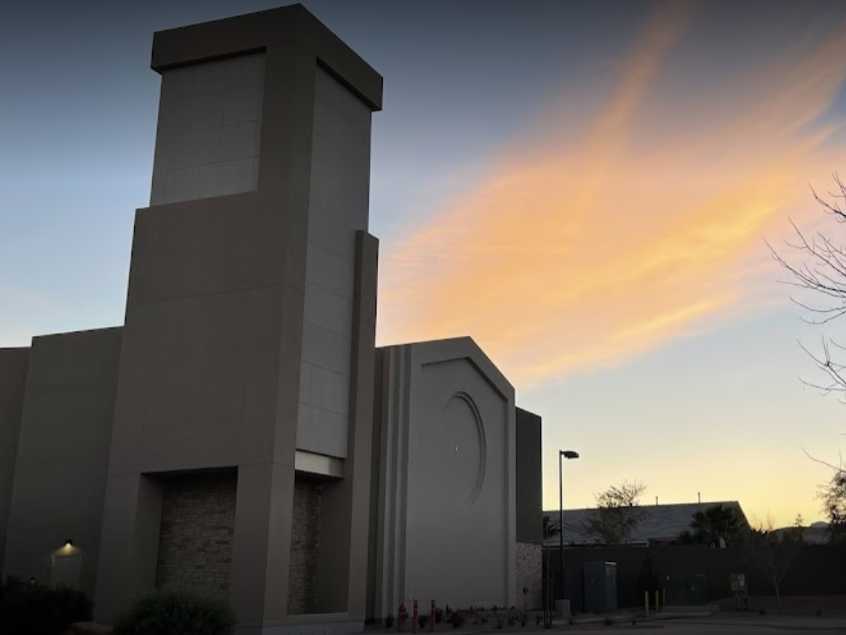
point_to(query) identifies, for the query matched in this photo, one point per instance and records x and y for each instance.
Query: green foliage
(617, 514)
(34, 609)
(176, 613)
(708, 527)
(456, 618)
(834, 503)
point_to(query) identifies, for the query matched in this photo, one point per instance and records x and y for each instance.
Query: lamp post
(562, 454)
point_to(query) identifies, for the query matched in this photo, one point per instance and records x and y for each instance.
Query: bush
(176, 613)
(34, 609)
(456, 619)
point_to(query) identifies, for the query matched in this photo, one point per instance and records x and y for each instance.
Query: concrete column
(233, 282)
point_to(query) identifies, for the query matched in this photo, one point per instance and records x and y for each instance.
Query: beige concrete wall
(14, 364)
(338, 208)
(529, 478)
(212, 361)
(209, 126)
(63, 450)
(446, 479)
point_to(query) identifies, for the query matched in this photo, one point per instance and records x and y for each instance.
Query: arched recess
(481, 440)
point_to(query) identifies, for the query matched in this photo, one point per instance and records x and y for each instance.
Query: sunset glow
(587, 188)
(583, 249)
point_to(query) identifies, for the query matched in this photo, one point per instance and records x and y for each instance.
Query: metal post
(561, 526)
(547, 590)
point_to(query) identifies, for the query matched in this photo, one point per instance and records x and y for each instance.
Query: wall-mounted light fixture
(67, 549)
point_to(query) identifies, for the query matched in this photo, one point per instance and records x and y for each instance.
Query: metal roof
(659, 523)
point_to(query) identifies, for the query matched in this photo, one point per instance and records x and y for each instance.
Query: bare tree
(617, 514)
(774, 553)
(822, 274)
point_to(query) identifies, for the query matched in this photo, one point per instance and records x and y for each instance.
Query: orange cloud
(581, 254)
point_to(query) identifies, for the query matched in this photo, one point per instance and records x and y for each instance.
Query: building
(240, 435)
(657, 524)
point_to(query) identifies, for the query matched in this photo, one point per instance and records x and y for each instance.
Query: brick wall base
(530, 574)
(195, 540)
(305, 545)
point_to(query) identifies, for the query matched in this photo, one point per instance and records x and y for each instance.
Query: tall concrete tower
(240, 455)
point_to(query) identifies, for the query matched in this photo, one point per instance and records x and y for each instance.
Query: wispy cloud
(585, 250)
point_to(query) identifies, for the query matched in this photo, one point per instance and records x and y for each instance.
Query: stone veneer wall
(530, 574)
(198, 522)
(305, 545)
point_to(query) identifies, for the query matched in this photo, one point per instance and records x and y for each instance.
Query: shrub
(456, 619)
(176, 613)
(34, 609)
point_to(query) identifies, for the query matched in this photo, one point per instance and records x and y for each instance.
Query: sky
(586, 188)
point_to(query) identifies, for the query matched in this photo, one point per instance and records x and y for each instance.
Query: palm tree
(716, 526)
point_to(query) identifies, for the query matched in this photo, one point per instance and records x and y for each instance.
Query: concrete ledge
(291, 25)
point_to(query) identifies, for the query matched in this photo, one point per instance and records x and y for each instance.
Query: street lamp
(562, 454)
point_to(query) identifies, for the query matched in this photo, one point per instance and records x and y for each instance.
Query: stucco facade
(14, 364)
(236, 436)
(62, 453)
(529, 509)
(444, 511)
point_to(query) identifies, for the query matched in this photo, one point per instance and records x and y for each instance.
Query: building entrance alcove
(305, 544)
(319, 560)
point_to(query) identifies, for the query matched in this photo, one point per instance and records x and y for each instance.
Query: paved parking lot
(736, 625)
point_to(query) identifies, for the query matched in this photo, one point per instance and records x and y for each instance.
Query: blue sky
(584, 187)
